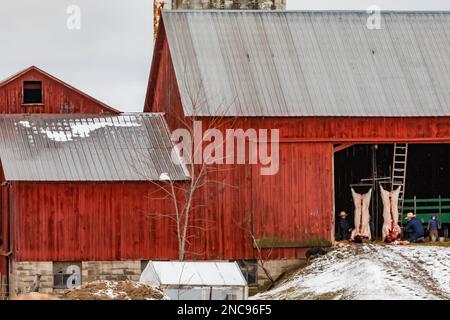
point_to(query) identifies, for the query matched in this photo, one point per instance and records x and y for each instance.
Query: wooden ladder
(399, 173)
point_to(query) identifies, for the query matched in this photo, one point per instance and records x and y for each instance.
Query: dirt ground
(371, 271)
(115, 290)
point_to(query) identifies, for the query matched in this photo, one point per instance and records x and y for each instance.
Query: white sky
(110, 56)
(422, 5)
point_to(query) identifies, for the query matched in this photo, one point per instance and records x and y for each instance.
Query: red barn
(35, 91)
(80, 194)
(342, 95)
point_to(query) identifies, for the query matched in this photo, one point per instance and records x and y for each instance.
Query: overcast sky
(422, 5)
(110, 56)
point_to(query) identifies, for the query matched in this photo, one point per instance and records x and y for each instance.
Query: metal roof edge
(303, 11)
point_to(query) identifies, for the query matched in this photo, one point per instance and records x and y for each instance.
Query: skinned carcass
(387, 220)
(365, 218)
(357, 200)
(395, 228)
(391, 230)
(362, 215)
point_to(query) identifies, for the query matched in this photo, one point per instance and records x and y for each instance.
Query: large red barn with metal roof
(343, 96)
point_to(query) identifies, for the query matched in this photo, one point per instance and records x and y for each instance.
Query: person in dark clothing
(413, 230)
(372, 228)
(344, 227)
(433, 228)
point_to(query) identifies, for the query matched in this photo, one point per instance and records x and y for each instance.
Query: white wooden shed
(197, 280)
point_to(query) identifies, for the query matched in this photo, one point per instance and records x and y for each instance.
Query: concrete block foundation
(23, 275)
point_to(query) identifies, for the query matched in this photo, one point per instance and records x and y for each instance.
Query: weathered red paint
(118, 221)
(59, 97)
(4, 226)
(89, 221)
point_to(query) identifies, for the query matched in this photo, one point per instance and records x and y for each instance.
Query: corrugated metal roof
(262, 63)
(128, 147)
(193, 274)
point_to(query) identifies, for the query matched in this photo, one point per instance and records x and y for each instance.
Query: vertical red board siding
(57, 97)
(115, 221)
(4, 224)
(90, 221)
(357, 130)
(296, 205)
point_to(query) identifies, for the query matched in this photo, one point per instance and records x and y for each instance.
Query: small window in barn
(32, 92)
(249, 269)
(66, 275)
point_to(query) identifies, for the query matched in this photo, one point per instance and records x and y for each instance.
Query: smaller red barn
(83, 195)
(35, 91)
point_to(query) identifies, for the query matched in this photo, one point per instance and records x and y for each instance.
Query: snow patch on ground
(115, 290)
(372, 272)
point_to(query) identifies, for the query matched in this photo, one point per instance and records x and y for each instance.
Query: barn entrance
(427, 184)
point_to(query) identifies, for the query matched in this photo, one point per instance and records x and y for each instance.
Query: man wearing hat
(344, 227)
(413, 230)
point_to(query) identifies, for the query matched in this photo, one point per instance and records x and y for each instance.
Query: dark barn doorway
(427, 174)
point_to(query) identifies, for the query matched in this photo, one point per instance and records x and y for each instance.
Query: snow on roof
(193, 274)
(126, 147)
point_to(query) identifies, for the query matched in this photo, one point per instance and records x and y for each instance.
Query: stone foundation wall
(276, 269)
(23, 274)
(110, 270)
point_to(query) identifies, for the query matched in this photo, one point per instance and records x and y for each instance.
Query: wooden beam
(381, 140)
(343, 147)
(277, 243)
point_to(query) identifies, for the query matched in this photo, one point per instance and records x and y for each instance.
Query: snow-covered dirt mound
(374, 272)
(115, 290)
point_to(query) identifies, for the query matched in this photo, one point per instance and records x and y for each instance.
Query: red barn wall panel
(91, 221)
(296, 205)
(114, 221)
(4, 225)
(58, 98)
(358, 130)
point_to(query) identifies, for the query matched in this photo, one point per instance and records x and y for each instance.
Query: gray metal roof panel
(129, 147)
(281, 63)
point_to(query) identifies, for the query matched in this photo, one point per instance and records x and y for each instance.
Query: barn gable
(287, 64)
(35, 91)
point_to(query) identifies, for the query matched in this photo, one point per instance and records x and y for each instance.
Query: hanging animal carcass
(391, 230)
(362, 215)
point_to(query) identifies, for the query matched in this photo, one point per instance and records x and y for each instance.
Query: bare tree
(261, 256)
(186, 196)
